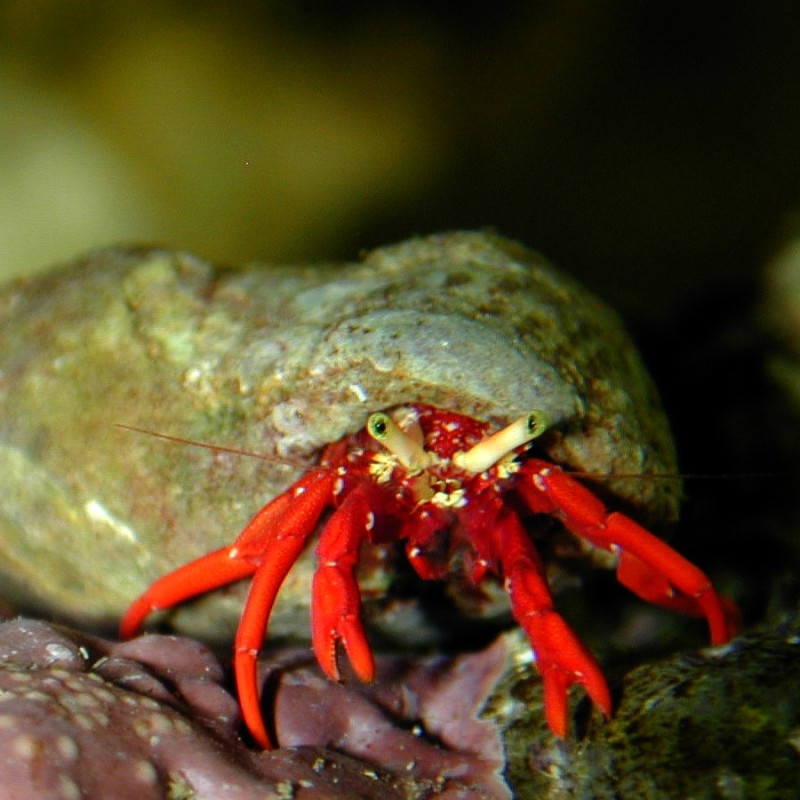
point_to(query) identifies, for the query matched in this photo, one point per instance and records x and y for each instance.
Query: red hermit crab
(449, 489)
(399, 378)
(449, 339)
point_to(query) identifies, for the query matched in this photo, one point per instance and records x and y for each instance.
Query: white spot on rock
(68, 789)
(58, 652)
(98, 513)
(66, 747)
(359, 391)
(26, 746)
(145, 772)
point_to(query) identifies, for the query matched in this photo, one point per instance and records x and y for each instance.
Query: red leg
(561, 657)
(657, 573)
(229, 564)
(268, 546)
(647, 565)
(336, 599)
(273, 540)
(206, 573)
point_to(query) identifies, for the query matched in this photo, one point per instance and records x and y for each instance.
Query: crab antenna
(409, 452)
(488, 452)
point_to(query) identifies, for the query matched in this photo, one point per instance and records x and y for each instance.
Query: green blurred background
(653, 149)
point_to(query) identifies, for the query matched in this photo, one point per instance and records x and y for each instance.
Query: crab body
(439, 483)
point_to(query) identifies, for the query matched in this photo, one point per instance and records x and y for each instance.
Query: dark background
(650, 148)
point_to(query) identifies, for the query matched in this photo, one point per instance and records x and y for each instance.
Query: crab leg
(561, 658)
(268, 546)
(206, 573)
(272, 540)
(647, 565)
(336, 600)
(228, 564)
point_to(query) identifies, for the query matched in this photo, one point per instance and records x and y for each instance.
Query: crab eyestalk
(404, 446)
(497, 446)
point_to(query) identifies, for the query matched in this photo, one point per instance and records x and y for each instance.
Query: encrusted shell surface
(276, 359)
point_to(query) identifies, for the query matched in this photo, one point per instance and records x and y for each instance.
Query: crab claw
(561, 658)
(647, 565)
(336, 600)
(337, 617)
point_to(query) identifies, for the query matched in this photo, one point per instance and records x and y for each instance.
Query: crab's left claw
(697, 598)
(561, 658)
(335, 598)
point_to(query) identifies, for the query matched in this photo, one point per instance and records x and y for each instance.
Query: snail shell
(279, 360)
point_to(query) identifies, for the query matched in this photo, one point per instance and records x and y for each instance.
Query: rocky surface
(83, 717)
(719, 724)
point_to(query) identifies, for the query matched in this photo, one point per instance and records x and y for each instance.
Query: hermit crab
(438, 483)
(458, 379)
(443, 401)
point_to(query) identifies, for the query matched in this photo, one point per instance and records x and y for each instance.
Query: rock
(721, 723)
(82, 717)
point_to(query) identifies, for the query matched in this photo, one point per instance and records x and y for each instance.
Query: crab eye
(536, 423)
(408, 451)
(378, 426)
